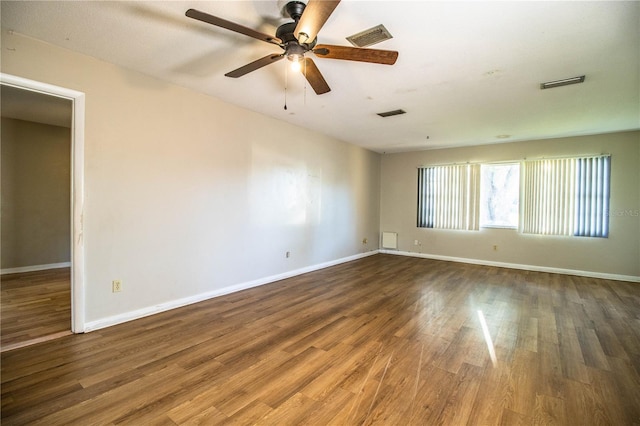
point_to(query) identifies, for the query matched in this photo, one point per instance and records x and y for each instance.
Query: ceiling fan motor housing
(291, 45)
(285, 33)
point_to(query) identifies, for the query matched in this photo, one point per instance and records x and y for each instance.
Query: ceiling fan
(299, 37)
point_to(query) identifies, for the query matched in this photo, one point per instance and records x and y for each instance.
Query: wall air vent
(371, 36)
(390, 240)
(392, 113)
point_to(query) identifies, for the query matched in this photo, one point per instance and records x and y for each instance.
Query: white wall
(617, 255)
(187, 195)
(36, 166)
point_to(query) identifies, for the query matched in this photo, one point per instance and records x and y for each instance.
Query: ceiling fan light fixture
(563, 82)
(295, 54)
(296, 61)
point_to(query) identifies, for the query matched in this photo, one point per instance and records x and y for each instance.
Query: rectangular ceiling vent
(371, 36)
(392, 113)
(563, 82)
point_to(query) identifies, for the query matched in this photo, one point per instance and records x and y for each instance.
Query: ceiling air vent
(392, 113)
(563, 82)
(371, 36)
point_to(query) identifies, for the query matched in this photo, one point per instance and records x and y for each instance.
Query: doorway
(51, 252)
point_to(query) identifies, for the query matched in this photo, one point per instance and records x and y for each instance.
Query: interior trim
(534, 268)
(77, 188)
(34, 268)
(173, 304)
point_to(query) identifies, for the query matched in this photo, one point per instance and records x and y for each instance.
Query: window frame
(481, 198)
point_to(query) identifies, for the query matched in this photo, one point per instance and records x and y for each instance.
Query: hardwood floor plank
(290, 411)
(549, 411)
(328, 411)
(511, 418)
(493, 398)
(529, 334)
(467, 346)
(627, 383)
(34, 305)
(523, 381)
(592, 351)
(433, 395)
(382, 340)
(550, 379)
(340, 368)
(463, 391)
(250, 414)
(580, 402)
(202, 407)
(573, 366)
(396, 405)
(604, 388)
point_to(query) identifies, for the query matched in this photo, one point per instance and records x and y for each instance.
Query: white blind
(448, 197)
(592, 197)
(568, 196)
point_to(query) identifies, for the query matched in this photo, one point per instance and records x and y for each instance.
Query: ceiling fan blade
(313, 18)
(314, 77)
(223, 23)
(376, 56)
(269, 59)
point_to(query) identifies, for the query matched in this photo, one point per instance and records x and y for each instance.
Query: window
(499, 195)
(448, 196)
(567, 196)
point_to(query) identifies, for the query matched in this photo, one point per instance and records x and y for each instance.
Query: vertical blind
(448, 197)
(592, 197)
(568, 196)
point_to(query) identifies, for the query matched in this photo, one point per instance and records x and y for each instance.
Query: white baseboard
(173, 304)
(534, 268)
(34, 268)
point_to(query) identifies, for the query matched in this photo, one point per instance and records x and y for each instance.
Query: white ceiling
(467, 72)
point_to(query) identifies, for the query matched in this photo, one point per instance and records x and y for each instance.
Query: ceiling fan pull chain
(285, 86)
(305, 82)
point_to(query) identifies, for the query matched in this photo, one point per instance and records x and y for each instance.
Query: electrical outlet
(288, 254)
(116, 286)
(416, 242)
(364, 241)
(495, 248)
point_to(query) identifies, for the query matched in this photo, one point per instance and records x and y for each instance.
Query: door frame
(77, 187)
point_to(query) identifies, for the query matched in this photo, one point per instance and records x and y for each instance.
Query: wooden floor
(383, 340)
(35, 306)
